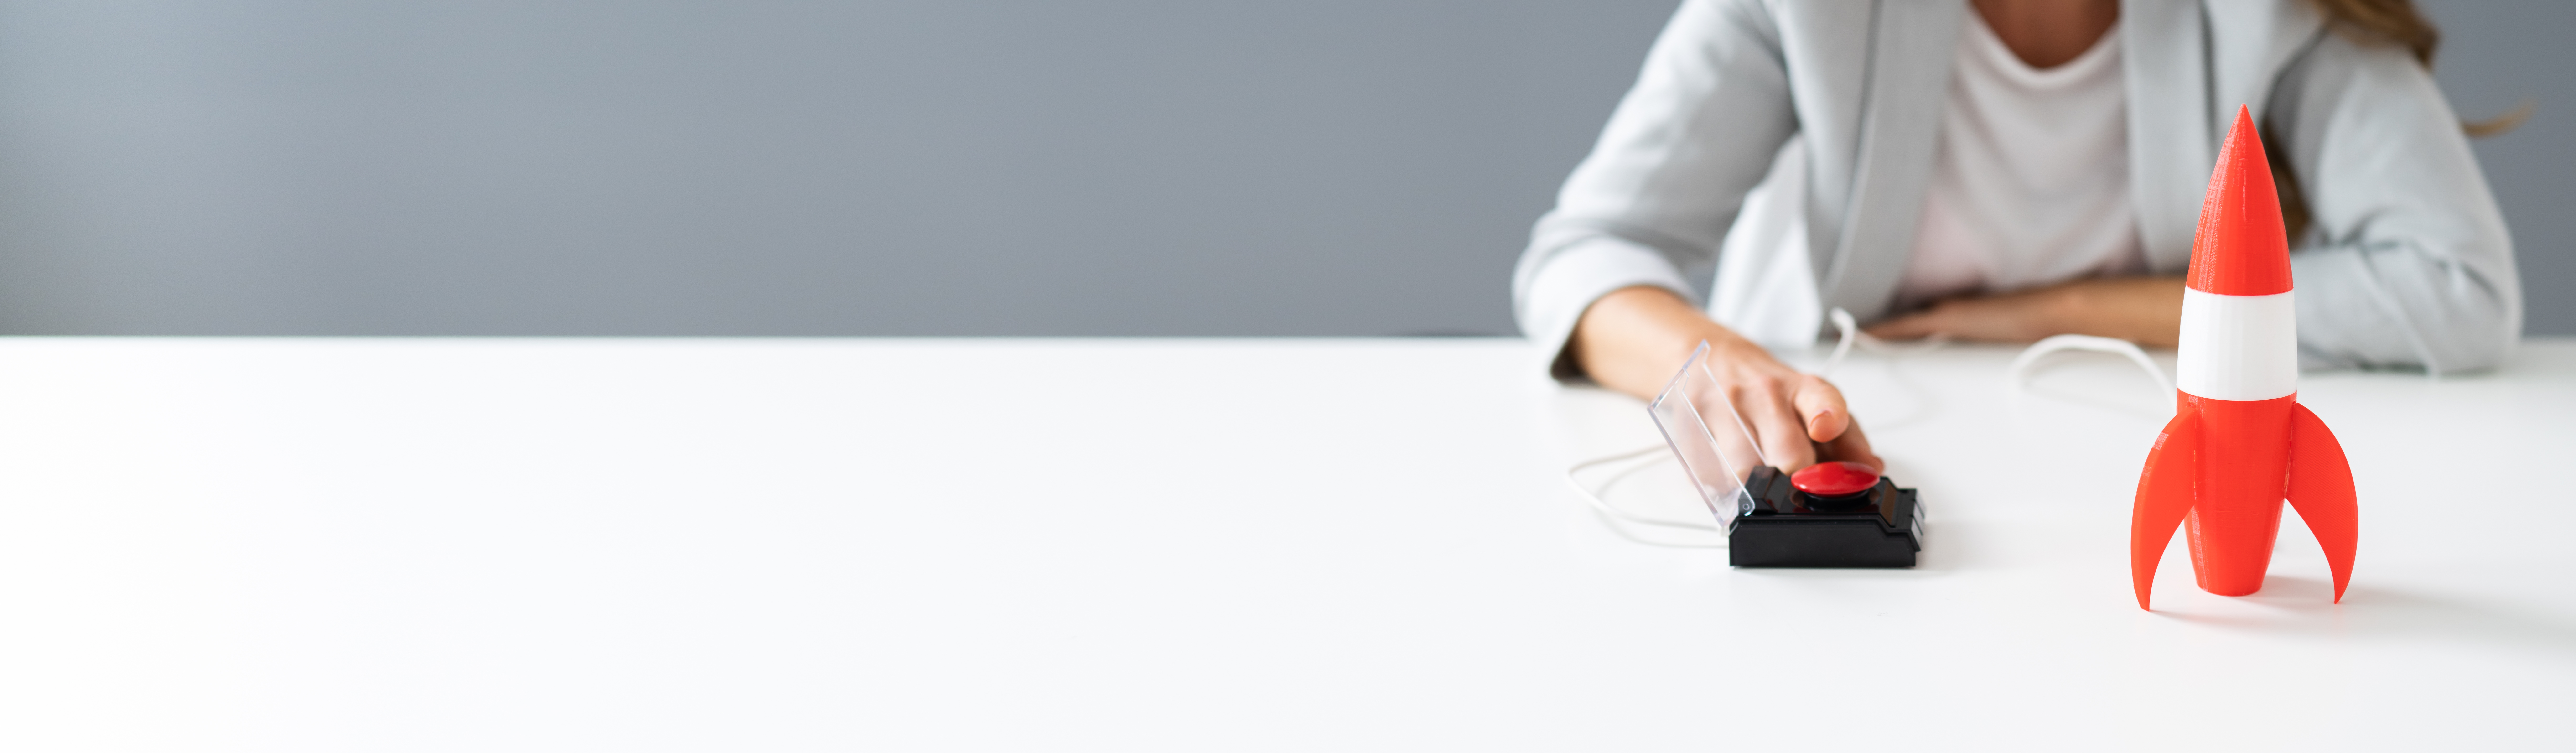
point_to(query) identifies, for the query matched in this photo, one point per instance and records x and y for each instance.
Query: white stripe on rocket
(2238, 347)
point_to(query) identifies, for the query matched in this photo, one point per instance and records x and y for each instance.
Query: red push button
(1836, 479)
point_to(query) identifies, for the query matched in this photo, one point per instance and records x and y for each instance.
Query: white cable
(1852, 335)
(2019, 373)
(1842, 345)
(2021, 364)
(1611, 512)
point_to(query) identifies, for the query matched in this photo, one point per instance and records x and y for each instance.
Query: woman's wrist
(1626, 338)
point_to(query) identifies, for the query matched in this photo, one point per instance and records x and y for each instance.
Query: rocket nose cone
(2241, 247)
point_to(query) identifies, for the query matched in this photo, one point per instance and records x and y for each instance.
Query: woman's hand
(1633, 339)
(1799, 418)
(2143, 310)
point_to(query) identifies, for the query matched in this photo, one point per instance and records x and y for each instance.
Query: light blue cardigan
(2407, 262)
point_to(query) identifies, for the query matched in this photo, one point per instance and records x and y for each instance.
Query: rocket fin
(2164, 497)
(2321, 490)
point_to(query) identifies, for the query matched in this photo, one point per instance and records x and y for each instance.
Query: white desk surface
(356, 545)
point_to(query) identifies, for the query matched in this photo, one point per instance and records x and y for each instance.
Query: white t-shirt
(2028, 189)
(2030, 185)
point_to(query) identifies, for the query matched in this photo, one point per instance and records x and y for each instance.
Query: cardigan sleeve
(2407, 262)
(1657, 194)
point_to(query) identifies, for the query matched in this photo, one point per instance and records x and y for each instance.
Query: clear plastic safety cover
(1715, 447)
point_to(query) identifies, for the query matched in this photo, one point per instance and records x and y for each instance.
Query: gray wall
(2494, 54)
(904, 167)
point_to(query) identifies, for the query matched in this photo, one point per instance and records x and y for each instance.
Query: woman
(2007, 170)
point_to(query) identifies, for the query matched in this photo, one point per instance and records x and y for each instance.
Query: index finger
(1769, 413)
(1821, 409)
(1853, 445)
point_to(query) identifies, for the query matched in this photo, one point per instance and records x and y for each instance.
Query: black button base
(1783, 527)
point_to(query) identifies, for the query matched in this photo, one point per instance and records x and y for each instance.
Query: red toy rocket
(2240, 442)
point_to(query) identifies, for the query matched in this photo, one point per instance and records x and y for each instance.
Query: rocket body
(2236, 516)
(2240, 445)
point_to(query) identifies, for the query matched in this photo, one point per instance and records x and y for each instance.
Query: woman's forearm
(2144, 310)
(1634, 338)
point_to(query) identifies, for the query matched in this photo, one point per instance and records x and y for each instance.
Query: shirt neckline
(2001, 56)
